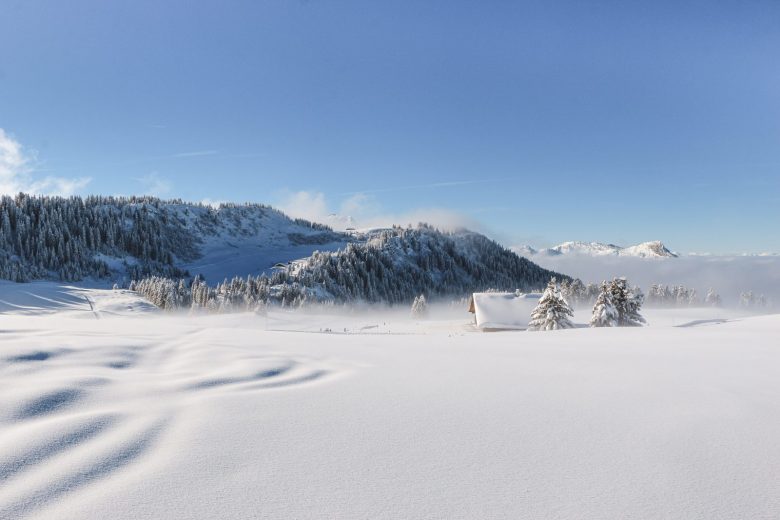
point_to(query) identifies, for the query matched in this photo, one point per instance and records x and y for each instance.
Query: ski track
(88, 413)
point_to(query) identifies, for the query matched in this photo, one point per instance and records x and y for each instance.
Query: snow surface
(142, 415)
(41, 298)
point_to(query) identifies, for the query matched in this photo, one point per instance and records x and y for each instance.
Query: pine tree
(713, 299)
(631, 316)
(552, 312)
(578, 293)
(604, 312)
(627, 302)
(420, 307)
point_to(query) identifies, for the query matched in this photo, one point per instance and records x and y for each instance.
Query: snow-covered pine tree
(420, 307)
(552, 312)
(634, 300)
(591, 293)
(564, 289)
(578, 293)
(682, 296)
(713, 298)
(604, 312)
(655, 296)
(627, 302)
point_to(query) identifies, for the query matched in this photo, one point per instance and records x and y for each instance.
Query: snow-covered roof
(504, 310)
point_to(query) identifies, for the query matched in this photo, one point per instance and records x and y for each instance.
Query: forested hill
(394, 265)
(125, 238)
(383, 266)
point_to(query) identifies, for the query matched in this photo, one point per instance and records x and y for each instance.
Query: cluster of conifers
(617, 305)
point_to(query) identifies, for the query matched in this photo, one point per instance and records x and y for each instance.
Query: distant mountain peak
(652, 249)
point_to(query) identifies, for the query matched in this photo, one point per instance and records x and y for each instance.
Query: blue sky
(537, 122)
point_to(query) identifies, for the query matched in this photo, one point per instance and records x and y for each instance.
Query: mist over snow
(728, 275)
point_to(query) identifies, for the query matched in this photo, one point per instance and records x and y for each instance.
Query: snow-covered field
(109, 409)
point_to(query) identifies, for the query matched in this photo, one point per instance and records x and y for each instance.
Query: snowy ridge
(653, 249)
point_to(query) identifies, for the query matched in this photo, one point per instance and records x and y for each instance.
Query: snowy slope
(243, 417)
(655, 249)
(244, 241)
(44, 298)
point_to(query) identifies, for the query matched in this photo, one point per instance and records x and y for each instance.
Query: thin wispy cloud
(249, 155)
(17, 166)
(197, 153)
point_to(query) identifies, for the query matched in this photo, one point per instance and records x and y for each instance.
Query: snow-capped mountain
(654, 249)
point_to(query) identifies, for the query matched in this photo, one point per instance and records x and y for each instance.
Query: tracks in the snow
(92, 307)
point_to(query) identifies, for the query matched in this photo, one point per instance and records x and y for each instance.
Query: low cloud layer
(16, 172)
(728, 275)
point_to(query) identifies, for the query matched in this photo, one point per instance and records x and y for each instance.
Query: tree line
(616, 305)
